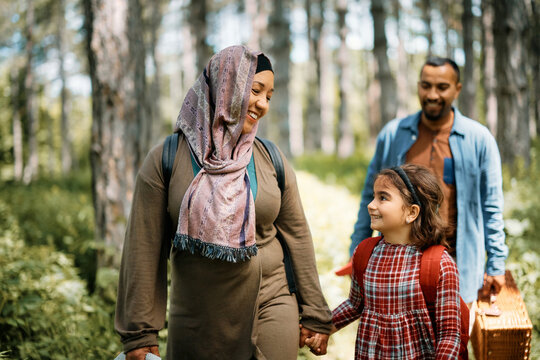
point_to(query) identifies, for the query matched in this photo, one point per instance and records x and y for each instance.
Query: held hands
(317, 342)
(140, 353)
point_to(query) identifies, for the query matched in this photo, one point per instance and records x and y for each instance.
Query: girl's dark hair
(428, 228)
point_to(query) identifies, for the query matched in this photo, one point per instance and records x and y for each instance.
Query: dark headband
(263, 63)
(408, 183)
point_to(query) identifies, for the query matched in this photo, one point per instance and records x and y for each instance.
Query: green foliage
(523, 226)
(45, 309)
(57, 213)
(331, 169)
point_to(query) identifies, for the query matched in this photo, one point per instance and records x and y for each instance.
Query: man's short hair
(440, 61)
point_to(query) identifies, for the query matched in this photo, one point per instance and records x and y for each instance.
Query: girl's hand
(140, 353)
(318, 343)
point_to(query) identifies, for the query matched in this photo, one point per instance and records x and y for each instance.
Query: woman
(229, 293)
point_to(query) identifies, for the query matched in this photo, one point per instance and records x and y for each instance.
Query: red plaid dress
(394, 320)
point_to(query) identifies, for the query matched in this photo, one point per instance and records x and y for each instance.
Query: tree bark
(489, 79)
(510, 33)
(345, 133)
(116, 55)
(199, 32)
(259, 20)
(65, 128)
(31, 168)
(18, 160)
(535, 62)
(152, 26)
(467, 103)
(279, 35)
(388, 96)
(446, 12)
(425, 6)
(314, 120)
(402, 82)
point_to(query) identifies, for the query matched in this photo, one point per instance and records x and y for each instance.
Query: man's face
(437, 89)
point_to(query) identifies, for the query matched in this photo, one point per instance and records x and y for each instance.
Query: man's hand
(317, 342)
(140, 353)
(492, 284)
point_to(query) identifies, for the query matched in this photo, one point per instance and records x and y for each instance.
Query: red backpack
(429, 278)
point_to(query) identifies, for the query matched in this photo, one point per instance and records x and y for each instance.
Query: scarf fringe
(213, 251)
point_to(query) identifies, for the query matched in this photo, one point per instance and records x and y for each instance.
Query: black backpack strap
(167, 157)
(167, 161)
(277, 161)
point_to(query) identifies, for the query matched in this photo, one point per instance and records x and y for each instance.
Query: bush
(45, 309)
(59, 214)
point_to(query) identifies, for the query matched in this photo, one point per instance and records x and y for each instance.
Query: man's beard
(431, 116)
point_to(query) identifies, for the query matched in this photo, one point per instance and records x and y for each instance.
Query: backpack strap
(167, 161)
(277, 161)
(167, 157)
(430, 266)
(361, 256)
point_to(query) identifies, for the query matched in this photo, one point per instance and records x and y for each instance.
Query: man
(464, 156)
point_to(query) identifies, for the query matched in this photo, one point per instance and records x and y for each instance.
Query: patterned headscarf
(217, 214)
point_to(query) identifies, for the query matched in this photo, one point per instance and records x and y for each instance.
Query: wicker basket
(507, 336)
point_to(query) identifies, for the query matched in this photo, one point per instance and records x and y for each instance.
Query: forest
(88, 87)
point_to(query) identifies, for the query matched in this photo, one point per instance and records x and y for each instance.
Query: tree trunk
(199, 32)
(426, 17)
(535, 62)
(256, 11)
(446, 12)
(31, 168)
(345, 133)
(510, 34)
(65, 128)
(489, 79)
(373, 93)
(18, 160)
(387, 97)
(467, 98)
(279, 35)
(116, 56)
(154, 94)
(402, 82)
(327, 92)
(313, 110)
(314, 120)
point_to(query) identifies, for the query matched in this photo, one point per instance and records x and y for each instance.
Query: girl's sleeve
(142, 289)
(292, 224)
(350, 309)
(447, 311)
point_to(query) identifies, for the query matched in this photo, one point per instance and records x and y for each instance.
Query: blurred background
(87, 87)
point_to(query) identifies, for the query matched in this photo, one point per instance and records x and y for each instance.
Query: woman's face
(259, 100)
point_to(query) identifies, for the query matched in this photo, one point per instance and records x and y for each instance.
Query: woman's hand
(317, 342)
(140, 353)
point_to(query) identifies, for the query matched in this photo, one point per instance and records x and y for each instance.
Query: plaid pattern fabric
(394, 320)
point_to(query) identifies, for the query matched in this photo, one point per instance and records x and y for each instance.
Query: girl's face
(388, 211)
(259, 100)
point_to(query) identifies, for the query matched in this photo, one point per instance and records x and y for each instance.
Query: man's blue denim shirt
(479, 195)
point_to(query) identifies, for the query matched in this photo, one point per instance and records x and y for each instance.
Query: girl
(394, 319)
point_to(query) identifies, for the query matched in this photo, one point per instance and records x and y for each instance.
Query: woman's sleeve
(447, 311)
(142, 288)
(350, 309)
(292, 224)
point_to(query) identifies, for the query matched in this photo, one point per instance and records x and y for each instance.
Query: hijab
(217, 213)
